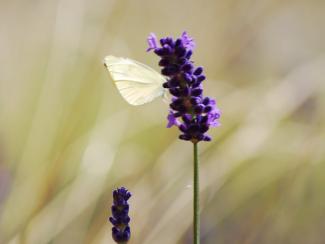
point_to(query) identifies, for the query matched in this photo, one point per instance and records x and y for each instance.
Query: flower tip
(152, 35)
(188, 41)
(184, 34)
(152, 42)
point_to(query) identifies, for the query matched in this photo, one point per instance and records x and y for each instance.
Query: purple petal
(152, 42)
(188, 41)
(213, 117)
(213, 102)
(172, 120)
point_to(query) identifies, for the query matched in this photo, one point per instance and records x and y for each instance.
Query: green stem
(196, 200)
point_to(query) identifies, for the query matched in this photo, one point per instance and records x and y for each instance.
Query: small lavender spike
(120, 219)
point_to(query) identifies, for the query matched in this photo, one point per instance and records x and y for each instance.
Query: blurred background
(67, 138)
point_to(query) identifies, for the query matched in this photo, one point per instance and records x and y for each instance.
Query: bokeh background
(67, 138)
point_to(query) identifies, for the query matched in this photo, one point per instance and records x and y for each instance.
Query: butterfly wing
(137, 83)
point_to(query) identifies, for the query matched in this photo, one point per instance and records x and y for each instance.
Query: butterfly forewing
(137, 83)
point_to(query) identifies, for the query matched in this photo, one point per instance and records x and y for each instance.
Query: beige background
(67, 138)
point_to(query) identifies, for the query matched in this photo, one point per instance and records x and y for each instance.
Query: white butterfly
(137, 83)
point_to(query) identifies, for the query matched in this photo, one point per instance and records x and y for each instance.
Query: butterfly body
(137, 83)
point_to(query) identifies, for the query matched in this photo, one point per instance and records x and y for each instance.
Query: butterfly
(137, 83)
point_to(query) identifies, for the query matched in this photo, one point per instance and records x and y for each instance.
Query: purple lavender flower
(190, 111)
(120, 219)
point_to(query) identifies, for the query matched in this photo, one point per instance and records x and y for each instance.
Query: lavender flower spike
(190, 111)
(120, 219)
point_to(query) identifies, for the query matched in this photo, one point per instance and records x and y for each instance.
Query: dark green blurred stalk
(196, 197)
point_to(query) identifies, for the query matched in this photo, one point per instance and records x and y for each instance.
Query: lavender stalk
(196, 196)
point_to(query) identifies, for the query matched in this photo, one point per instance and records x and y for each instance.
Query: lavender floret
(120, 215)
(190, 111)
